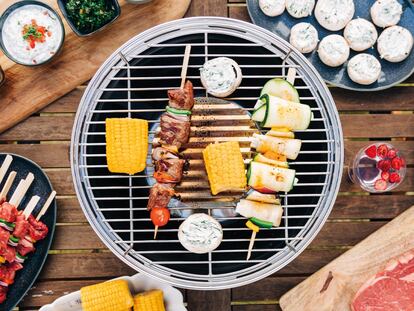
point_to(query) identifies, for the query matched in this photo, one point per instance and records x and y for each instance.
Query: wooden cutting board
(29, 89)
(334, 286)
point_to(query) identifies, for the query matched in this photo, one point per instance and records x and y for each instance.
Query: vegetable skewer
(269, 172)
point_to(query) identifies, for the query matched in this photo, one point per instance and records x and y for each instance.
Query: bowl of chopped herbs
(86, 17)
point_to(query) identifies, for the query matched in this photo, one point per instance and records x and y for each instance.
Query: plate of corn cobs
(137, 293)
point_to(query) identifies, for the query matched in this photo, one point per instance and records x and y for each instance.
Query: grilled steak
(182, 98)
(389, 290)
(175, 130)
(160, 195)
(169, 170)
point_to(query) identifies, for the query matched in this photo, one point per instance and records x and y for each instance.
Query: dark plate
(42, 187)
(392, 73)
(62, 7)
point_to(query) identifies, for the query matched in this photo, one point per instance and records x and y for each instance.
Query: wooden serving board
(29, 89)
(334, 286)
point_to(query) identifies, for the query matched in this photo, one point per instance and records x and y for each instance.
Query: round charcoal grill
(133, 82)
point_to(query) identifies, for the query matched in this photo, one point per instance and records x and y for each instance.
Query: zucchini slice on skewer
(277, 112)
(269, 179)
(283, 146)
(266, 212)
(281, 88)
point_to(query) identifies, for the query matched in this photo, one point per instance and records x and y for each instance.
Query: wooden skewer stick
(185, 64)
(21, 190)
(47, 204)
(291, 75)
(31, 206)
(7, 185)
(155, 232)
(5, 166)
(252, 239)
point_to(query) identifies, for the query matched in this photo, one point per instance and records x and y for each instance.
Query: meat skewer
(46, 205)
(35, 231)
(21, 190)
(175, 131)
(5, 166)
(6, 187)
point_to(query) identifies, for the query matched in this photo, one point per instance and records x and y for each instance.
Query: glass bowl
(378, 168)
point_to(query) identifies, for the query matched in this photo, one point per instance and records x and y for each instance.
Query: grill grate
(133, 83)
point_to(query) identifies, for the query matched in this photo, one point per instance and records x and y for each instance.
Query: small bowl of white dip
(32, 33)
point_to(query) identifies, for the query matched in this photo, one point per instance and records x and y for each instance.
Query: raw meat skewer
(46, 205)
(7, 185)
(5, 166)
(21, 190)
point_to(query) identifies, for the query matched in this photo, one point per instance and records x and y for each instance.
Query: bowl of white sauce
(32, 33)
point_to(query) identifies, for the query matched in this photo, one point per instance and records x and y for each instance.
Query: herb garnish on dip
(32, 34)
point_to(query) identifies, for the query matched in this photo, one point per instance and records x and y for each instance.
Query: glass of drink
(378, 168)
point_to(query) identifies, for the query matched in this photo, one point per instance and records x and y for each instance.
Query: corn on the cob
(225, 167)
(126, 145)
(108, 296)
(149, 301)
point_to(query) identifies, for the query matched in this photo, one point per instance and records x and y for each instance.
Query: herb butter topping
(200, 233)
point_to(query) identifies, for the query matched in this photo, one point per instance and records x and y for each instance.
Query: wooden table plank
(69, 210)
(370, 206)
(46, 292)
(346, 233)
(396, 98)
(56, 155)
(62, 182)
(48, 128)
(208, 300)
(207, 8)
(78, 266)
(76, 237)
(346, 207)
(267, 289)
(46, 155)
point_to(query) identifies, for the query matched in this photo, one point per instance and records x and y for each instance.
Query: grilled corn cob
(149, 301)
(225, 167)
(126, 145)
(108, 296)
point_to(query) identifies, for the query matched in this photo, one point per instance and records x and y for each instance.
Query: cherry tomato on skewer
(160, 216)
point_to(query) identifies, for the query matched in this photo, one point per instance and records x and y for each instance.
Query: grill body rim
(217, 282)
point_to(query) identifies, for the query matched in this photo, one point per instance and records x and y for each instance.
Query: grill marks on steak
(175, 130)
(182, 98)
(389, 290)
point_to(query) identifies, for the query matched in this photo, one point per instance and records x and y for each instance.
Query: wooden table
(79, 258)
